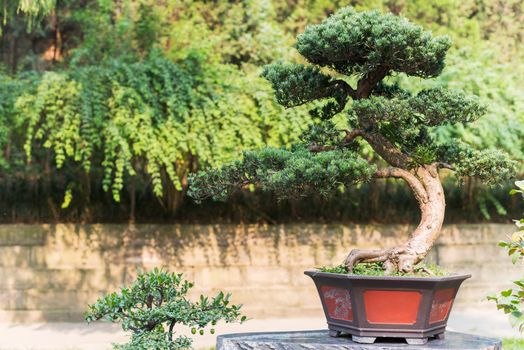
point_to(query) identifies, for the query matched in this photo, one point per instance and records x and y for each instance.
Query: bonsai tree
(349, 58)
(154, 304)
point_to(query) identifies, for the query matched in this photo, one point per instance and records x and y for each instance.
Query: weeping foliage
(152, 117)
(33, 9)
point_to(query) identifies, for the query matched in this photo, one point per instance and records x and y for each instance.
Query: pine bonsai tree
(349, 55)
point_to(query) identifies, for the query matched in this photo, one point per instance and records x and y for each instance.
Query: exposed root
(361, 255)
(398, 259)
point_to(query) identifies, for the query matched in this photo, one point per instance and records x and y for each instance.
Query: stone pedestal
(320, 340)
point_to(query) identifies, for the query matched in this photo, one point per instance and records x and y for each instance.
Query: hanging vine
(153, 116)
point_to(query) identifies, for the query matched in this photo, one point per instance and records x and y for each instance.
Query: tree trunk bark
(13, 48)
(428, 190)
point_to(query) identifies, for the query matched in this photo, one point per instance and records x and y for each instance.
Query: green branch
(287, 173)
(490, 166)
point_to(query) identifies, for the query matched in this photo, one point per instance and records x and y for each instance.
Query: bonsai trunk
(426, 185)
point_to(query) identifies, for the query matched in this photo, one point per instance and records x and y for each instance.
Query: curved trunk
(432, 217)
(432, 206)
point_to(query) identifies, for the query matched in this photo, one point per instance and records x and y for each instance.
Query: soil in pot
(376, 269)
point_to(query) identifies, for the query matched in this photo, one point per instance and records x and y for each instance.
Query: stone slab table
(309, 340)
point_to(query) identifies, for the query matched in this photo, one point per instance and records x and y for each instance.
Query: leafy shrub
(154, 304)
(511, 301)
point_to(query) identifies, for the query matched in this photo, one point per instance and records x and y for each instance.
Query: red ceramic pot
(367, 307)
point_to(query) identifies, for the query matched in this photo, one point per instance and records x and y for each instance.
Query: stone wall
(51, 272)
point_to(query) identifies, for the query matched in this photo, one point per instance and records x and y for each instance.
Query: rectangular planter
(367, 307)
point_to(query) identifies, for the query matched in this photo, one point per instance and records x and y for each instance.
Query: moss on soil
(376, 269)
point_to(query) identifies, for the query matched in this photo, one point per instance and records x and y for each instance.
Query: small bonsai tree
(350, 54)
(154, 304)
(511, 301)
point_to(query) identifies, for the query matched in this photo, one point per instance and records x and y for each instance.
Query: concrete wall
(51, 272)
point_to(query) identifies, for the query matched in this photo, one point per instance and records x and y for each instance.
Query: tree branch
(388, 151)
(443, 165)
(346, 87)
(170, 332)
(149, 301)
(366, 85)
(134, 329)
(350, 136)
(319, 148)
(415, 184)
(330, 91)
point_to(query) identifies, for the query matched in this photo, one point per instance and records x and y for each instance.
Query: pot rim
(451, 277)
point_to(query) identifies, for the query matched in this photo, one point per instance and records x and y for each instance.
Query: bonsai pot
(368, 307)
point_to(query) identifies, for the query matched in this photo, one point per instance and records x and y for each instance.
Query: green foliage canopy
(352, 42)
(395, 123)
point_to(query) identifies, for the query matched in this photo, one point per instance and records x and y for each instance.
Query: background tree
(230, 41)
(121, 114)
(351, 55)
